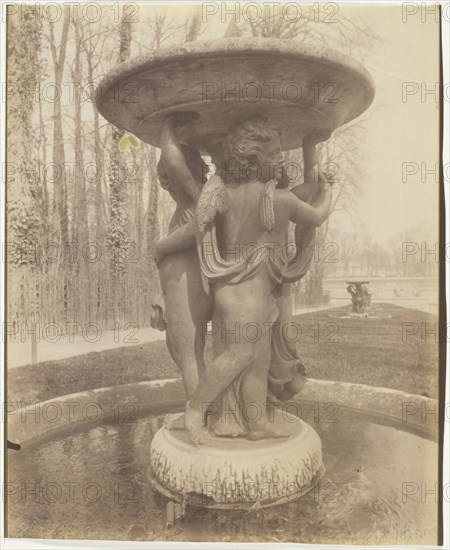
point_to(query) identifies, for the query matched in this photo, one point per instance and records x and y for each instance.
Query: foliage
(25, 198)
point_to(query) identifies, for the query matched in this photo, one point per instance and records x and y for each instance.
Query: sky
(402, 124)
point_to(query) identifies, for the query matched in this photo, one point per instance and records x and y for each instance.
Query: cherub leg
(222, 371)
(254, 395)
(188, 310)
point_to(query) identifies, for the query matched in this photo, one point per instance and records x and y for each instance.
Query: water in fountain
(92, 483)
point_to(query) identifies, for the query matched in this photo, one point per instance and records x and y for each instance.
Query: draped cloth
(285, 362)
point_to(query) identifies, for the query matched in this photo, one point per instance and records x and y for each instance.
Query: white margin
(35, 544)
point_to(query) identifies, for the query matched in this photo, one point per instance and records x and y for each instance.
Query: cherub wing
(266, 212)
(213, 200)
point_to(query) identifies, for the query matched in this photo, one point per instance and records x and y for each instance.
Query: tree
(25, 195)
(93, 44)
(59, 56)
(118, 231)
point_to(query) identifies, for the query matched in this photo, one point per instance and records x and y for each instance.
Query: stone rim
(161, 59)
(169, 392)
(231, 47)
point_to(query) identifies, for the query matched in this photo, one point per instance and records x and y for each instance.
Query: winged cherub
(185, 306)
(231, 217)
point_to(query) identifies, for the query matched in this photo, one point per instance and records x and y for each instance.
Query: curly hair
(194, 161)
(243, 143)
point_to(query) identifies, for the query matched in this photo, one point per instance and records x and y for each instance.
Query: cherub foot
(174, 421)
(193, 422)
(226, 432)
(264, 432)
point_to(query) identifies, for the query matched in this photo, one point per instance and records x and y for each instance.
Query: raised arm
(312, 169)
(304, 191)
(174, 162)
(316, 186)
(304, 214)
(311, 165)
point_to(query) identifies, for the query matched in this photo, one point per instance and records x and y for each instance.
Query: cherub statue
(185, 306)
(185, 292)
(248, 210)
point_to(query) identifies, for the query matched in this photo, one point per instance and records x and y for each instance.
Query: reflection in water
(93, 485)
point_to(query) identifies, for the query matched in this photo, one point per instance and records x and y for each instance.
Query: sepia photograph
(224, 255)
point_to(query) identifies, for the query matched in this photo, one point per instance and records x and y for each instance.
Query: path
(20, 353)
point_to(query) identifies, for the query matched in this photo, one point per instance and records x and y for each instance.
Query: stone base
(237, 473)
(359, 315)
(366, 315)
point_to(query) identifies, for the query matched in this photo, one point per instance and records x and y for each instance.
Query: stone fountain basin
(300, 87)
(124, 403)
(374, 440)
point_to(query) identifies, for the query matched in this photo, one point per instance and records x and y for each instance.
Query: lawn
(366, 351)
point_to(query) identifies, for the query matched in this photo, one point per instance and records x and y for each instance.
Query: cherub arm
(312, 170)
(304, 191)
(174, 162)
(316, 188)
(180, 239)
(301, 212)
(213, 200)
(304, 214)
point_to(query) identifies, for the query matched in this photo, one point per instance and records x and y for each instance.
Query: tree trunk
(58, 136)
(23, 192)
(83, 297)
(118, 230)
(152, 232)
(25, 205)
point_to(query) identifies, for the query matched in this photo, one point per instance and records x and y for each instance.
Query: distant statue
(361, 297)
(351, 289)
(367, 297)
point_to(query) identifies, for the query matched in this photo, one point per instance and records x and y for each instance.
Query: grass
(366, 351)
(376, 352)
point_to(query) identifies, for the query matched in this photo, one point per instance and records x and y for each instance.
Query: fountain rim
(169, 392)
(232, 47)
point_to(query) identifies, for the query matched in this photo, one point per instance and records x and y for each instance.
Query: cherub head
(252, 150)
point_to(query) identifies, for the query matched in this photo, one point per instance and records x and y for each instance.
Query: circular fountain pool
(90, 482)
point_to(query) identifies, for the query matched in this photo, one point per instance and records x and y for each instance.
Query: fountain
(181, 98)
(362, 307)
(250, 432)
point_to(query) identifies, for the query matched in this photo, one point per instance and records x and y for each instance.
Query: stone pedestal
(232, 473)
